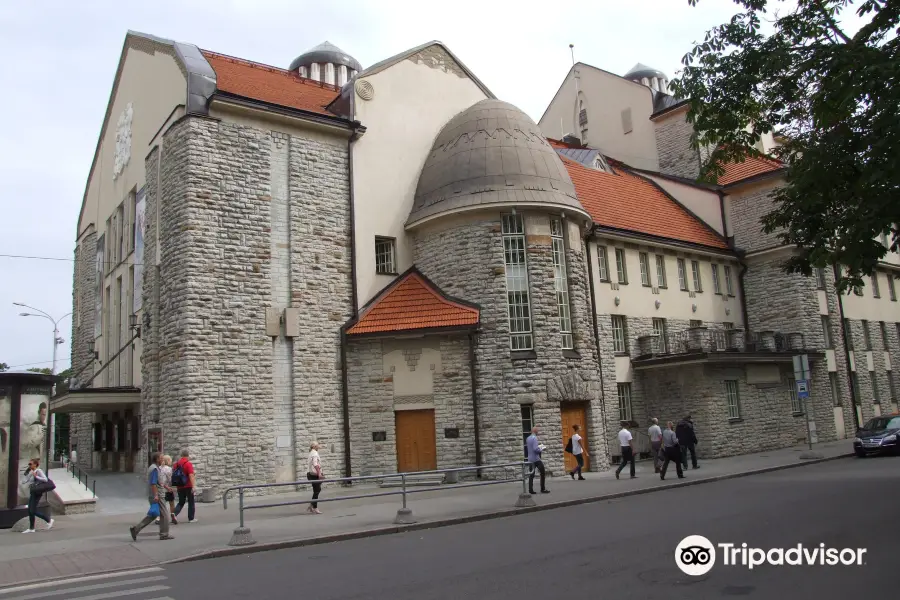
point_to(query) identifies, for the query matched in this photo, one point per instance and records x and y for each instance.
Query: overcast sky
(59, 59)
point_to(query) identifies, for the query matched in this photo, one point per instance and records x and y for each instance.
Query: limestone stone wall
(84, 297)
(673, 145)
(745, 209)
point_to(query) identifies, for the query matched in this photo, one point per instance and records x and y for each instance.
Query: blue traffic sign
(802, 388)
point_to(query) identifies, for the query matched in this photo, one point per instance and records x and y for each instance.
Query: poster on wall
(32, 431)
(140, 228)
(98, 309)
(5, 438)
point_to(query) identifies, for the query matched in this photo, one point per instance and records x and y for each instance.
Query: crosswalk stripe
(120, 593)
(58, 582)
(69, 591)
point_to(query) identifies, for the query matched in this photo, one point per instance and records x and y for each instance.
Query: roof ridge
(273, 69)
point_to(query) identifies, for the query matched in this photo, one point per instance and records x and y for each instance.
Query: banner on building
(140, 227)
(98, 299)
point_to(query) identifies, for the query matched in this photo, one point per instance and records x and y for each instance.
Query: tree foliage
(44, 370)
(3, 367)
(834, 96)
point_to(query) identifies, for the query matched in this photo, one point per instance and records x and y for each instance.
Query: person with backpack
(183, 478)
(575, 447)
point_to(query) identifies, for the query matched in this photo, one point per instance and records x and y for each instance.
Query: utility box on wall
(291, 322)
(273, 322)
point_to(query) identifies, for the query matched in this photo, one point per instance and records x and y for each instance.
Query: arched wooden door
(574, 414)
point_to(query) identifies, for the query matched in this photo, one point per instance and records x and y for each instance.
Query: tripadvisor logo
(695, 555)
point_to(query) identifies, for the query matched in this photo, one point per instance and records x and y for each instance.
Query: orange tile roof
(412, 302)
(626, 201)
(270, 84)
(753, 165)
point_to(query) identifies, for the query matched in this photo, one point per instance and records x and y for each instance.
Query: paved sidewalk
(92, 543)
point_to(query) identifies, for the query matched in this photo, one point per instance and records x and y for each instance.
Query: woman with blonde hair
(314, 473)
(165, 480)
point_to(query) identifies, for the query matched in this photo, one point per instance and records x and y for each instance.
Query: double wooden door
(574, 414)
(416, 441)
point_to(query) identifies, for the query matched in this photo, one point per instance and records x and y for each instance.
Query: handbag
(569, 446)
(154, 510)
(42, 487)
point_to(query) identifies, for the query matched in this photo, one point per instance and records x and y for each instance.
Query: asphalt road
(620, 550)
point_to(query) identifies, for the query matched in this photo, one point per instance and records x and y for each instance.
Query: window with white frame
(695, 323)
(621, 266)
(682, 275)
(867, 335)
(727, 325)
(715, 276)
(796, 405)
(527, 413)
(854, 384)
(603, 263)
(876, 396)
(891, 389)
(835, 389)
(661, 271)
(729, 286)
(732, 401)
(695, 271)
(884, 335)
(513, 231)
(892, 291)
(659, 330)
(624, 390)
(848, 334)
(876, 290)
(820, 278)
(619, 327)
(561, 283)
(644, 259)
(384, 256)
(826, 330)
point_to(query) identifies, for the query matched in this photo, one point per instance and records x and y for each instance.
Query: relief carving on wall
(569, 387)
(123, 140)
(435, 57)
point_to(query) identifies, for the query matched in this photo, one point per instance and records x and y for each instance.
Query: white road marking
(46, 584)
(120, 593)
(71, 591)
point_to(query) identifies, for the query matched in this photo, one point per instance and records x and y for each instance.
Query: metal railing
(701, 339)
(243, 537)
(77, 473)
(642, 448)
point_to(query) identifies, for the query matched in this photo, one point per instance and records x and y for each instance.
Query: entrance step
(427, 480)
(70, 496)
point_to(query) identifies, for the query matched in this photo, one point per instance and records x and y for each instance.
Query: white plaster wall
(703, 203)
(412, 103)
(870, 308)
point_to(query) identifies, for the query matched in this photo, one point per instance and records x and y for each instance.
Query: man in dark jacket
(687, 440)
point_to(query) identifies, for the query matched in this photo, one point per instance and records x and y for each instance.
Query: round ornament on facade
(617, 300)
(364, 89)
(693, 308)
(657, 303)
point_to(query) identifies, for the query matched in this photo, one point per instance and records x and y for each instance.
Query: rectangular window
(561, 283)
(884, 336)
(695, 270)
(826, 331)
(728, 326)
(120, 233)
(645, 269)
(696, 323)
(731, 400)
(820, 279)
(659, 330)
(854, 383)
(682, 275)
(624, 390)
(661, 271)
(715, 276)
(527, 412)
(621, 267)
(892, 291)
(848, 334)
(729, 286)
(108, 246)
(835, 389)
(891, 389)
(876, 290)
(132, 215)
(619, 327)
(384, 256)
(603, 263)
(876, 397)
(867, 335)
(796, 405)
(513, 231)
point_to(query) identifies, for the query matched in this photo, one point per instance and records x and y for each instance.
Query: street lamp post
(56, 342)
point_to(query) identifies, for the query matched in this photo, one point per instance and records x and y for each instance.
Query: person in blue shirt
(157, 499)
(535, 448)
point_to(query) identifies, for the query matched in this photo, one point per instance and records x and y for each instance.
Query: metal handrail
(242, 534)
(74, 468)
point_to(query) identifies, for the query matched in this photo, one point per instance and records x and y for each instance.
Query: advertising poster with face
(33, 430)
(5, 438)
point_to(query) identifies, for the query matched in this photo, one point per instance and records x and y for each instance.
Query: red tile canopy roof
(752, 166)
(412, 302)
(270, 84)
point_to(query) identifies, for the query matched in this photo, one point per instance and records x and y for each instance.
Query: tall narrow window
(876, 396)
(892, 291)
(695, 323)
(715, 276)
(835, 389)
(695, 270)
(854, 383)
(891, 389)
(867, 335)
(729, 286)
(621, 267)
(826, 330)
(603, 263)
(796, 405)
(884, 336)
(120, 233)
(661, 271)
(624, 390)
(561, 283)
(659, 330)
(731, 400)
(848, 334)
(384, 256)
(645, 269)
(820, 278)
(527, 413)
(513, 230)
(682, 275)
(728, 325)
(876, 290)
(619, 327)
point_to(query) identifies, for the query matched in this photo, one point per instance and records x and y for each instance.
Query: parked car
(878, 436)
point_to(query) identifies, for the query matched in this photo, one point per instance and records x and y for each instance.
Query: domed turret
(652, 78)
(328, 63)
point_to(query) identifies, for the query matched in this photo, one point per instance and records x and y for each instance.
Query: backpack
(179, 479)
(569, 446)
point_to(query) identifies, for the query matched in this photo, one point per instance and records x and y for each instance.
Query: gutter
(840, 303)
(741, 274)
(475, 421)
(592, 308)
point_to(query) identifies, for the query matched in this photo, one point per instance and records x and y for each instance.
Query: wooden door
(416, 441)
(574, 414)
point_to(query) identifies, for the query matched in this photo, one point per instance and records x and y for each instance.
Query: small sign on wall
(451, 433)
(379, 436)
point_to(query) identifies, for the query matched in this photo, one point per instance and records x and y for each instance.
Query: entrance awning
(91, 400)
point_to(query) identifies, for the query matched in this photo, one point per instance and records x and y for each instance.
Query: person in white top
(165, 480)
(626, 441)
(38, 484)
(313, 473)
(578, 451)
(655, 434)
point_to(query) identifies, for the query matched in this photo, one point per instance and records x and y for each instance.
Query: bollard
(404, 515)
(525, 500)
(241, 535)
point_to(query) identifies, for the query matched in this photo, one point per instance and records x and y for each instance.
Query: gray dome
(326, 52)
(491, 154)
(639, 71)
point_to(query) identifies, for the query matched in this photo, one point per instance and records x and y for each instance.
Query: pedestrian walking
(687, 439)
(38, 484)
(576, 448)
(671, 451)
(183, 478)
(158, 507)
(655, 434)
(626, 442)
(535, 449)
(165, 480)
(314, 473)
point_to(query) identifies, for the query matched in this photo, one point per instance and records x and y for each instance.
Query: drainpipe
(475, 421)
(593, 310)
(746, 317)
(345, 405)
(840, 303)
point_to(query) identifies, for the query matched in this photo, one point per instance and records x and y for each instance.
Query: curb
(497, 514)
